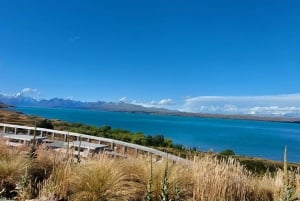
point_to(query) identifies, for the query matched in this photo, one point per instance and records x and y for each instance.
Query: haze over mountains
(25, 101)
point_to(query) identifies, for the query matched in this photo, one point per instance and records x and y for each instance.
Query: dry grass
(104, 178)
(298, 183)
(227, 180)
(12, 166)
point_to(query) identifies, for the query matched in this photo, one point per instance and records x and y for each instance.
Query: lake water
(244, 137)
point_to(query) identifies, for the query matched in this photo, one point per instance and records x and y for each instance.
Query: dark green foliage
(157, 141)
(45, 123)
(227, 152)
(178, 146)
(121, 134)
(259, 166)
(105, 130)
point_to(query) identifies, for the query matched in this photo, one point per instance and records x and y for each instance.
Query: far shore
(159, 111)
(242, 117)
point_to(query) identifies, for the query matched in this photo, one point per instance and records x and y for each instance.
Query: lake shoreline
(294, 120)
(27, 118)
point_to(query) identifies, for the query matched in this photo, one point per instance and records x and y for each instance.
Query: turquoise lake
(244, 137)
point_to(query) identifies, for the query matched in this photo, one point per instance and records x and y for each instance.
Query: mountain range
(25, 101)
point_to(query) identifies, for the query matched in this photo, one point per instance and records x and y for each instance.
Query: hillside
(51, 176)
(210, 175)
(2, 105)
(257, 165)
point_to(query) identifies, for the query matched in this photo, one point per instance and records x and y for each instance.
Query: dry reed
(104, 178)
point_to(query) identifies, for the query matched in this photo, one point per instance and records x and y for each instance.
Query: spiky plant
(164, 196)
(288, 188)
(68, 147)
(177, 194)
(78, 152)
(32, 152)
(149, 193)
(23, 188)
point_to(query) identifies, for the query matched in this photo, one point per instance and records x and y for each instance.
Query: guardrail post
(112, 146)
(124, 149)
(4, 128)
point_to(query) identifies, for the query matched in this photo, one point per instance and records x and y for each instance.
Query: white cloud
(166, 102)
(123, 99)
(29, 92)
(288, 104)
(271, 105)
(274, 110)
(162, 102)
(288, 98)
(144, 104)
(70, 98)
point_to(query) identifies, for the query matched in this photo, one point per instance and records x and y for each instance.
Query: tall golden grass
(12, 167)
(58, 176)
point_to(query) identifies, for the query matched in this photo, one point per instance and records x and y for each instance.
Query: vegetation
(45, 123)
(255, 165)
(212, 176)
(118, 134)
(103, 178)
(289, 186)
(227, 152)
(2, 105)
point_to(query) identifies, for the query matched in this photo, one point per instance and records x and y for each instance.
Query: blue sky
(164, 53)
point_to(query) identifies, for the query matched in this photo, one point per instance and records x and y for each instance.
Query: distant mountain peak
(25, 101)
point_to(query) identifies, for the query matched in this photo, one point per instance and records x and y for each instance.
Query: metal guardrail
(102, 139)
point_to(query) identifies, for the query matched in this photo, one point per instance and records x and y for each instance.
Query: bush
(227, 152)
(45, 123)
